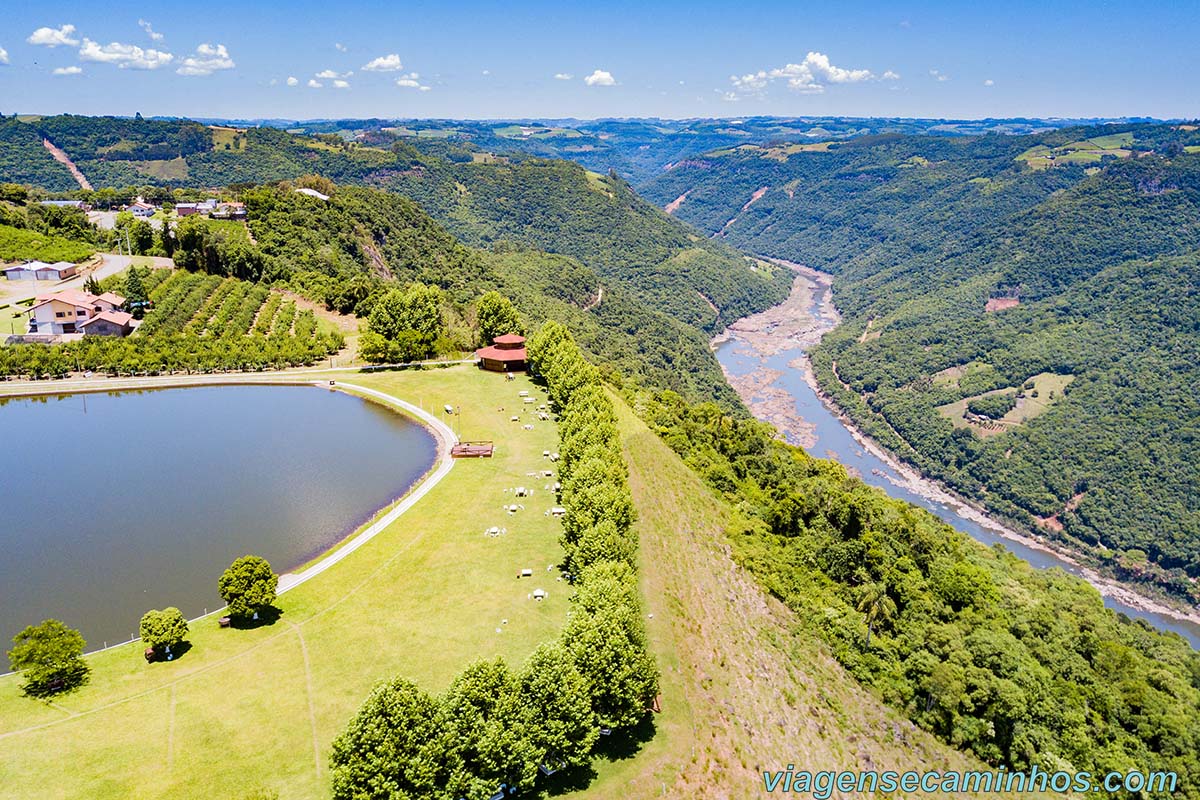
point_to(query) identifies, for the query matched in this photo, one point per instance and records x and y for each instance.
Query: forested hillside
(599, 220)
(1018, 666)
(554, 206)
(969, 267)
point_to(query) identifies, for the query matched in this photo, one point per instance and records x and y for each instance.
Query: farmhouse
(140, 209)
(74, 311)
(39, 270)
(506, 354)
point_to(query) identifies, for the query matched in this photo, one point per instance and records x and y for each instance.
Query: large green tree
(395, 748)
(557, 700)
(482, 711)
(248, 586)
(50, 658)
(497, 316)
(164, 629)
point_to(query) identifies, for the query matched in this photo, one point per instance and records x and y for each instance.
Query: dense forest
(962, 269)
(1019, 666)
(555, 206)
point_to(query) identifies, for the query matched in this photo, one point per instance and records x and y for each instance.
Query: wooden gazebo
(505, 354)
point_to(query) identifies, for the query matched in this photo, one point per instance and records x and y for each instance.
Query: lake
(112, 504)
(833, 440)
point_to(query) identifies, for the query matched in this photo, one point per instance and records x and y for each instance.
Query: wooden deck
(472, 450)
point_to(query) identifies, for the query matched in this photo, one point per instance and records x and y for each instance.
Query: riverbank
(797, 325)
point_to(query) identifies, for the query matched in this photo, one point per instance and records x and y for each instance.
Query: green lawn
(1049, 390)
(259, 708)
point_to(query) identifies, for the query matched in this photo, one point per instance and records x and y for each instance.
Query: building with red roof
(505, 354)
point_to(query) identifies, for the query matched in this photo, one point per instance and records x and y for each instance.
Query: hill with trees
(977, 271)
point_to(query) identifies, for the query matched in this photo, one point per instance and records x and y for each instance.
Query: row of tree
(494, 729)
(49, 655)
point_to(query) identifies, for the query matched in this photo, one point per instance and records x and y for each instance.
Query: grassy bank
(259, 708)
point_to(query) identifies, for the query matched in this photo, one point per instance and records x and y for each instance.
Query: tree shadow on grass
(266, 616)
(177, 652)
(617, 746)
(65, 683)
(626, 742)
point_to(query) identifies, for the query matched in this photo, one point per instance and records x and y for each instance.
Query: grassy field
(1088, 151)
(745, 686)
(168, 169)
(259, 708)
(1047, 389)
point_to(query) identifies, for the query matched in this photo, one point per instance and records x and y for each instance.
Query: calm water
(833, 440)
(113, 504)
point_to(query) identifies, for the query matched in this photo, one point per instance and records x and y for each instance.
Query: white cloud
(807, 77)
(341, 48)
(989, 82)
(329, 74)
(125, 56)
(563, 76)
(388, 63)
(314, 84)
(3, 56)
(938, 75)
(208, 59)
(487, 72)
(153, 34)
(53, 37)
(890, 75)
(291, 81)
(340, 84)
(600, 77)
(411, 80)
(71, 70)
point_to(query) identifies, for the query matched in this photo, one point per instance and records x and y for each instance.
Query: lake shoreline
(791, 326)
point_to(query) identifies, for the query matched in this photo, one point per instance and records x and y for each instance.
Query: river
(765, 359)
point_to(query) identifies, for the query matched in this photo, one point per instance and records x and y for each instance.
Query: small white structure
(522, 393)
(539, 594)
(311, 193)
(521, 491)
(557, 511)
(526, 573)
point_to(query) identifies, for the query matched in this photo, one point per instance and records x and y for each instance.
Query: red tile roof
(115, 317)
(509, 338)
(501, 354)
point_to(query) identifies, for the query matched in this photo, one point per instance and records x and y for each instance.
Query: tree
(556, 700)
(497, 316)
(92, 286)
(395, 747)
(877, 605)
(135, 293)
(50, 656)
(248, 586)
(482, 711)
(164, 629)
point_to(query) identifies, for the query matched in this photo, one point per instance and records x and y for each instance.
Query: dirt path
(66, 161)
(312, 708)
(596, 302)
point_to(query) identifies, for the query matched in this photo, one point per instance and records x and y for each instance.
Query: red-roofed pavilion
(506, 354)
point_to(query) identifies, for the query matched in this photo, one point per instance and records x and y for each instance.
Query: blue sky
(667, 59)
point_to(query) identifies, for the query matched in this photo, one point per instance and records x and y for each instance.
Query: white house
(72, 311)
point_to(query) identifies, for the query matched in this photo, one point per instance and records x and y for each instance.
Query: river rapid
(765, 358)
